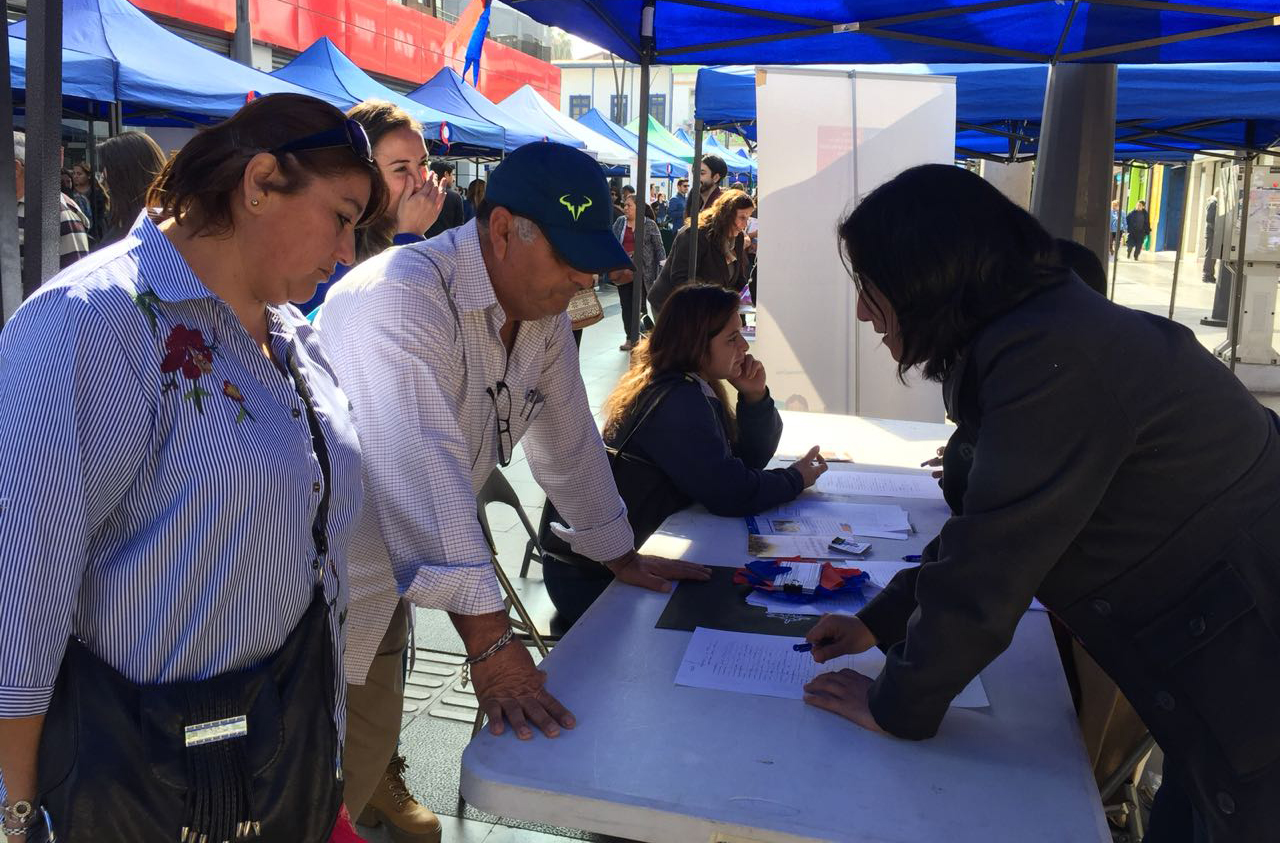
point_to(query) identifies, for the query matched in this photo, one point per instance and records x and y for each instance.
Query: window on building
(618, 109)
(658, 107)
(579, 104)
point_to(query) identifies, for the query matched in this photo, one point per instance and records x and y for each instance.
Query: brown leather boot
(407, 821)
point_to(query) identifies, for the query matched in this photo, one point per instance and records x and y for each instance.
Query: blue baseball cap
(564, 191)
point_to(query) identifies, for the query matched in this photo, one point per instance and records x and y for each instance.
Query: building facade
(614, 88)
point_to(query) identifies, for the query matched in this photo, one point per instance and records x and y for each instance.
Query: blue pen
(912, 558)
(808, 645)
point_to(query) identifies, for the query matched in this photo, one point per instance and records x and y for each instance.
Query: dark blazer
(1125, 477)
(1138, 223)
(452, 214)
(712, 267)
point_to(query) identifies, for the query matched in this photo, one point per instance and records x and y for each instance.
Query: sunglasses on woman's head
(350, 134)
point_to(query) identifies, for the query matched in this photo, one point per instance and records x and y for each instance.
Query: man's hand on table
(655, 572)
(510, 687)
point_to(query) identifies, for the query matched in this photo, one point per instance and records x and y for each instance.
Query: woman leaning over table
(1119, 473)
(179, 477)
(414, 196)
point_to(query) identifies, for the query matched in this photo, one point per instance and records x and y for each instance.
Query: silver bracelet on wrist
(18, 818)
(497, 645)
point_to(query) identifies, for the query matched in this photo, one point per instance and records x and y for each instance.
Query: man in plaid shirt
(73, 228)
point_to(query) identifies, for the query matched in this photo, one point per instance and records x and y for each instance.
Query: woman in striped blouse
(178, 480)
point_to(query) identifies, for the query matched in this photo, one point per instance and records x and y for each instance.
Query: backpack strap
(656, 393)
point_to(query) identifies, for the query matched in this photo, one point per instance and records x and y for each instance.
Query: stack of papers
(827, 519)
(767, 665)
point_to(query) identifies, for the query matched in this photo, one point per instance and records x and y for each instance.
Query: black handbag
(649, 494)
(248, 754)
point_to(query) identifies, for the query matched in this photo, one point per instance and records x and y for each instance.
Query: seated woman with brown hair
(673, 439)
(722, 258)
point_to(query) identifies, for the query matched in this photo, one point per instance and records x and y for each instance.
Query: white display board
(826, 139)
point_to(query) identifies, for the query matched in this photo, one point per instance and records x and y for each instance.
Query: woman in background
(674, 440)
(129, 163)
(91, 198)
(475, 195)
(624, 228)
(722, 255)
(414, 197)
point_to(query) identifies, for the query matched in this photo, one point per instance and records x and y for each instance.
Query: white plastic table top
(653, 761)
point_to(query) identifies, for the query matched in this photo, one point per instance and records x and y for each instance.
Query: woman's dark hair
(948, 253)
(1084, 262)
(720, 217)
(475, 192)
(130, 162)
(679, 342)
(379, 119)
(201, 179)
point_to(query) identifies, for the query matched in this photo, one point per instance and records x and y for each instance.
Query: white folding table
(653, 761)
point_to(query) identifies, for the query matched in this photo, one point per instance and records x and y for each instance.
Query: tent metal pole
(115, 123)
(695, 197)
(44, 143)
(641, 199)
(1182, 224)
(1115, 254)
(10, 263)
(1193, 35)
(1237, 289)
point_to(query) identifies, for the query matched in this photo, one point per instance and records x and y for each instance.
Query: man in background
(675, 208)
(452, 214)
(73, 227)
(711, 176)
(1138, 224)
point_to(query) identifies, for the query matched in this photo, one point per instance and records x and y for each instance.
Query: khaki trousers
(374, 710)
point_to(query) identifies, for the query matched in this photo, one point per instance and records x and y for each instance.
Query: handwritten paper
(825, 519)
(766, 665)
(879, 484)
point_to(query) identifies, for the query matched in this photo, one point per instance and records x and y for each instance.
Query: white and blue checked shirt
(413, 335)
(162, 517)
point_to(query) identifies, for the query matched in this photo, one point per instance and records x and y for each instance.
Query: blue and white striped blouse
(158, 484)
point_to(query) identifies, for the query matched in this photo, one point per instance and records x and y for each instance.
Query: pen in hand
(808, 645)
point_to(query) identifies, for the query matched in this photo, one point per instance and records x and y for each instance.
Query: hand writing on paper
(510, 689)
(936, 462)
(839, 635)
(843, 692)
(654, 572)
(811, 466)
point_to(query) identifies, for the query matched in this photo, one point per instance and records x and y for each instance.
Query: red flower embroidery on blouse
(186, 352)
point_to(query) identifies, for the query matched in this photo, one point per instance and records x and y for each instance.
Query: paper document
(808, 517)
(766, 665)
(879, 484)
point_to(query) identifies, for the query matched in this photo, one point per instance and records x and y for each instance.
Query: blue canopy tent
(683, 135)
(897, 31)
(84, 77)
(156, 76)
(1163, 112)
(448, 92)
(613, 156)
(529, 114)
(325, 68)
(661, 165)
(739, 170)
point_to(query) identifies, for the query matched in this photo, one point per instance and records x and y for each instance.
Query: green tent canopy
(663, 139)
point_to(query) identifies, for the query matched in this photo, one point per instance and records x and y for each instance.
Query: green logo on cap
(576, 210)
